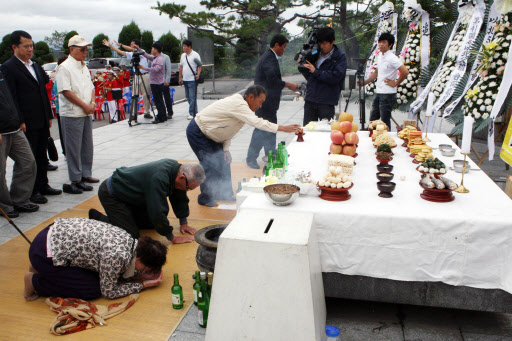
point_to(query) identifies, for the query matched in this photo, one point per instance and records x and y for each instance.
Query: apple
(337, 137)
(349, 150)
(335, 126)
(336, 149)
(351, 138)
(355, 128)
(346, 127)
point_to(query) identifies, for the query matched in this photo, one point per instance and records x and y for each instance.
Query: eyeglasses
(186, 183)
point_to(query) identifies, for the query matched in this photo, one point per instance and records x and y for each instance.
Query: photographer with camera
(136, 56)
(325, 73)
(157, 79)
(389, 65)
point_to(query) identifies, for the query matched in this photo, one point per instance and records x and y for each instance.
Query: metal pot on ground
(207, 239)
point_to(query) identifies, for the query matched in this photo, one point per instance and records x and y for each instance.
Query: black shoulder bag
(201, 76)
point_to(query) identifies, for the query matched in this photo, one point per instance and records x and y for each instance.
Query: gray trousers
(145, 89)
(16, 147)
(77, 135)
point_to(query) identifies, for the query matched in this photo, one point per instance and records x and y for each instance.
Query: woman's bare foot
(29, 293)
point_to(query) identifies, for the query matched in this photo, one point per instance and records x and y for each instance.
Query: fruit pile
(343, 136)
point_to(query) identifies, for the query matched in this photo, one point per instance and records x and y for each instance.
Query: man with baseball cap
(76, 100)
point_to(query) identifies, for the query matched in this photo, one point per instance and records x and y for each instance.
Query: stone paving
(119, 145)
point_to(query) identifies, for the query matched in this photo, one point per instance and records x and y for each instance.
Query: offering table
(406, 249)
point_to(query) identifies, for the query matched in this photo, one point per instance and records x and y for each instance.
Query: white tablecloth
(464, 242)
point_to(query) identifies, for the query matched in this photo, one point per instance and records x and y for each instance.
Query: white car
(49, 67)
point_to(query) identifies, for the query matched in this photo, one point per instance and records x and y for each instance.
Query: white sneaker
(190, 117)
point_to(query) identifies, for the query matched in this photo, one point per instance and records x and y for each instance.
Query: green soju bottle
(197, 287)
(210, 283)
(269, 170)
(177, 294)
(203, 303)
(285, 152)
(278, 166)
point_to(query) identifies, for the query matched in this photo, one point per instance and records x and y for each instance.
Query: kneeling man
(136, 197)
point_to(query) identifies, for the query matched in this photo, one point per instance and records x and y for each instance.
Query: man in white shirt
(388, 66)
(76, 105)
(190, 70)
(137, 84)
(209, 135)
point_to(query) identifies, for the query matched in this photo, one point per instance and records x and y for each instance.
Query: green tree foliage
(5, 48)
(147, 40)
(171, 45)
(234, 19)
(56, 39)
(100, 50)
(68, 36)
(128, 33)
(42, 53)
(245, 59)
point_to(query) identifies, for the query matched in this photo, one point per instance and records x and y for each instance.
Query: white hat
(78, 40)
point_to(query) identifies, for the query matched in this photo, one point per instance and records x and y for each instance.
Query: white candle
(467, 134)
(430, 105)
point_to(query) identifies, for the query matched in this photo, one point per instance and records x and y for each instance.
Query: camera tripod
(362, 93)
(137, 81)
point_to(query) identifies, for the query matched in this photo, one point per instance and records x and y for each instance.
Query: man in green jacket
(136, 197)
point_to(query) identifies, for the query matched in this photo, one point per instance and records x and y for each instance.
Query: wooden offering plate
(406, 143)
(335, 194)
(385, 162)
(437, 195)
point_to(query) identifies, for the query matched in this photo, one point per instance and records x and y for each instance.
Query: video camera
(136, 58)
(310, 50)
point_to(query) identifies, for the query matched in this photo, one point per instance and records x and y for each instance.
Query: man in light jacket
(210, 134)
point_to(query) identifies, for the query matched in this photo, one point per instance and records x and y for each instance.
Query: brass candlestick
(461, 188)
(426, 139)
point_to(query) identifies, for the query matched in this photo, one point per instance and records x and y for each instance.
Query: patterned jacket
(96, 246)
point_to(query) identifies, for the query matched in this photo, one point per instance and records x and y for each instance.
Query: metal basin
(281, 199)
(207, 239)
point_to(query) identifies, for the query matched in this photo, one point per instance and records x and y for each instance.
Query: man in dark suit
(27, 81)
(268, 76)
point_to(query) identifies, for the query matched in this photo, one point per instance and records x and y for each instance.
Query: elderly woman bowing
(87, 259)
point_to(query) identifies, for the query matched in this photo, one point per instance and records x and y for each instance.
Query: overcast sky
(41, 17)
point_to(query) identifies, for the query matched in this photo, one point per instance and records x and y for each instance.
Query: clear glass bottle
(332, 333)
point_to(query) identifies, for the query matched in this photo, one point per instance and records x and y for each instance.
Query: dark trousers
(315, 111)
(128, 217)
(60, 281)
(382, 107)
(217, 185)
(167, 99)
(38, 140)
(158, 97)
(261, 139)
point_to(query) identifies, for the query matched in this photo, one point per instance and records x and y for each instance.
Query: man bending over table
(136, 197)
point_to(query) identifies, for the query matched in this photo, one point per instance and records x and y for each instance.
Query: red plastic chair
(98, 113)
(120, 104)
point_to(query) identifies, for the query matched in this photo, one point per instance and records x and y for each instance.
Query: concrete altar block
(268, 280)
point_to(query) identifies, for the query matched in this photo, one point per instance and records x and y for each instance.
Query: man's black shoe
(96, 215)
(38, 198)
(26, 208)
(13, 214)
(47, 190)
(51, 167)
(72, 188)
(148, 116)
(83, 186)
(156, 121)
(253, 164)
(169, 116)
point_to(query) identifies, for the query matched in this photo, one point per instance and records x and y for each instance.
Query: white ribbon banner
(498, 103)
(462, 60)
(473, 76)
(416, 105)
(425, 43)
